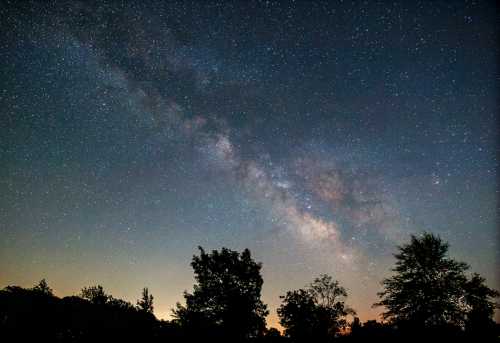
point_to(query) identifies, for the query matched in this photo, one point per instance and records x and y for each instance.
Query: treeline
(429, 296)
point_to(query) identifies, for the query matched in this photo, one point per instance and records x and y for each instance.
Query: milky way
(318, 135)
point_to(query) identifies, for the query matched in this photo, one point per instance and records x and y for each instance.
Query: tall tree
(226, 297)
(429, 290)
(146, 301)
(317, 312)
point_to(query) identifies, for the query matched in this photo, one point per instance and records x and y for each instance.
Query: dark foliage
(372, 330)
(429, 297)
(43, 288)
(316, 313)
(37, 315)
(480, 307)
(146, 302)
(225, 304)
(298, 315)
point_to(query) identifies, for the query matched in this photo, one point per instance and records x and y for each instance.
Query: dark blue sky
(318, 134)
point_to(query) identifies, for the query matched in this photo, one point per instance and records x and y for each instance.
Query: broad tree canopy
(225, 302)
(431, 290)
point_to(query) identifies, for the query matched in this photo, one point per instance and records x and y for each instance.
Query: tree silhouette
(329, 296)
(430, 291)
(356, 327)
(480, 306)
(273, 335)
(317, 312)
(297, 315)
(146, 301)
(429, 296)
(43, 287)
(225, 303)
(119, 304)
(95, 294)
(373, 330)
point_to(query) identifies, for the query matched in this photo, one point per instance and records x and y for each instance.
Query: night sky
(319, 135)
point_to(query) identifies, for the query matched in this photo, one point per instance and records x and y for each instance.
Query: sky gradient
(318, 135)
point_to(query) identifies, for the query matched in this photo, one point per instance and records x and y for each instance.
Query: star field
(320, 135)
